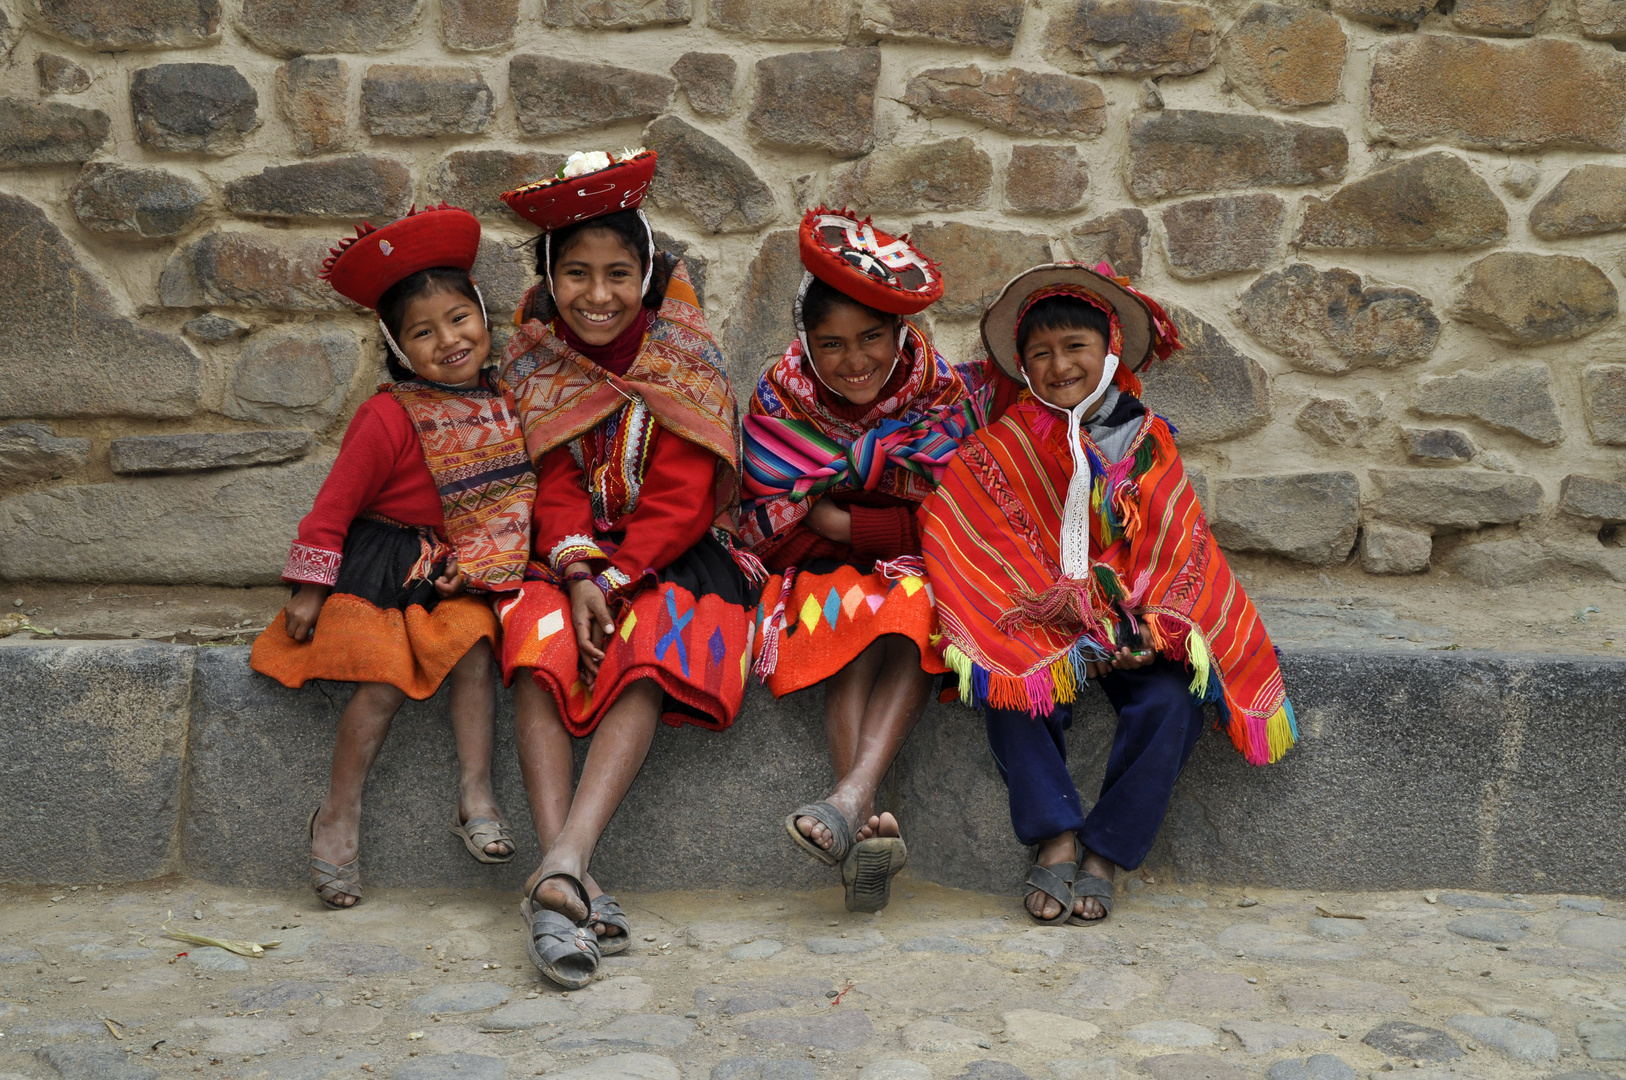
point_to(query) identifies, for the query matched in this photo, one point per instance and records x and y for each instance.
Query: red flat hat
(363, 267)
(884, 272)
(559, 201)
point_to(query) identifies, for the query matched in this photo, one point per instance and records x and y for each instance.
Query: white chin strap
(389, 339)
(807, 349)
(649, 263)
(1075, 517)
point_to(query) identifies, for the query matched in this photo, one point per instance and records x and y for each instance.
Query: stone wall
(1391, 233)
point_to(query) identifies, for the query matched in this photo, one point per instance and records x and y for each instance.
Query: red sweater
(380, 468)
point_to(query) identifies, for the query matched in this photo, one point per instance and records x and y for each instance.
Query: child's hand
(452, 581)
(302, 610)
(831, 522)
(1129, 659)
(590, 616)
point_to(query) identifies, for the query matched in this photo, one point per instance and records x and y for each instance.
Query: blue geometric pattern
(716, 645)
(674, 636)
(832, 608)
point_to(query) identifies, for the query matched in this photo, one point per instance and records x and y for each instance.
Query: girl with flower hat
(634, 607)
(426, 512)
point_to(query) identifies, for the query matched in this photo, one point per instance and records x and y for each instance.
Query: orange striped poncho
(1019, 632)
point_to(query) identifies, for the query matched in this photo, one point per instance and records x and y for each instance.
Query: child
(635, 608)
(1064, 543)
(847, 433)
(429, 499)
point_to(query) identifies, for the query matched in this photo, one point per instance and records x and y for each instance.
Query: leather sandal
(827, 815)
(605, 910)
(332, 882)
(477, 833)
(1056, 882)
(562, 950)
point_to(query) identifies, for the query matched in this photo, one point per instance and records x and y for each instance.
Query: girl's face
(853, 351)
(598, 286)
(444, 338)
(1064, 366)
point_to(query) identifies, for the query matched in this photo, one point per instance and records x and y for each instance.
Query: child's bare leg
(544, 748)
(474, 707)
(362, 727)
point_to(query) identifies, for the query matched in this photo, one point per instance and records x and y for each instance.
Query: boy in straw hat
(1064, 544)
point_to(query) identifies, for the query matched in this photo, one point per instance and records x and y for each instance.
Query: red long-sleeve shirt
(380, 468)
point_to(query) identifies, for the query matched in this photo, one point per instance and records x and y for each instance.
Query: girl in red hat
(635, 607)
(847, 433)
(426, 510)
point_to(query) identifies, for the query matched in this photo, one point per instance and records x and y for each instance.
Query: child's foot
(336, 839)
(606, 931)
(1054, 852)
(558, 888)
(883, 825)
(819, 833)
(475, 804)
(1089, 907)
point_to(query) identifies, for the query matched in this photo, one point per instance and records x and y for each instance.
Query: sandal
(1098, 889)
(1056, 882)
(605, 910)
(827, 815)
(332, 882)
(476, 833)
(562, 950)
(868, 871)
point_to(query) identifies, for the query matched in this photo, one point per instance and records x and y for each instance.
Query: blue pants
(1158, 725)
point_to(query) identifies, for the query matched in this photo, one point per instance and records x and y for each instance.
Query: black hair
(1062, 313)
(393, 304)
(821, 299)
(627, 227)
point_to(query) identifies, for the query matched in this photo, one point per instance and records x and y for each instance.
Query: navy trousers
(1158, 725)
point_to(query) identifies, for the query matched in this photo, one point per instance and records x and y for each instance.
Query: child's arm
(302, 610)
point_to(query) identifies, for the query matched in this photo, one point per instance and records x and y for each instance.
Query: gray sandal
(604, 909)
(827, 815)
(476, 833)
(869, 869)
(1056, 882)
(564, 952)
(332, 882)
(1095, 888)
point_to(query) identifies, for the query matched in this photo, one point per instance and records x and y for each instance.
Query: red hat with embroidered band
(884, 272)
(589, 185)
(365, 266)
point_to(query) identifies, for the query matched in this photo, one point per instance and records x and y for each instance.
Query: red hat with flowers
(364, 267)
(880, 271)
(588, 185)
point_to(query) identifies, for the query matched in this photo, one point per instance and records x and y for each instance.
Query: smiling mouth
(596, 317)
(858, 380)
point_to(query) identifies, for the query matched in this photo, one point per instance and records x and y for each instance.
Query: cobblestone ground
(1181, 984)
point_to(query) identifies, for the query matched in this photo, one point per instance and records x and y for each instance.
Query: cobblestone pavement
(1181, 984)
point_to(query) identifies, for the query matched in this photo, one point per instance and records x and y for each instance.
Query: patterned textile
(475, 450)
(1019, 632)
(679, 376)
(313, 564)
(613, 457)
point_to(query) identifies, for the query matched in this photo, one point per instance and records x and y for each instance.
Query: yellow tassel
(1279, 734)
(1197, 653)
(1061, 673)
(961, 663)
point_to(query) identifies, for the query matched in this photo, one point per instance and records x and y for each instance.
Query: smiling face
(854, 350)
(598, 286)
(445, 338)
(1064, 364)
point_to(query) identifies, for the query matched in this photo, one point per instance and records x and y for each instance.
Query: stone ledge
(1448, 770)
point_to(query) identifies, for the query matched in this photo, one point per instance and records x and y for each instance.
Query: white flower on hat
(628, 153)
(581, 163)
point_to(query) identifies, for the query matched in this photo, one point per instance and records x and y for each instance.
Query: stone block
(1183, 150)
(783, 20)
(555, 95)
(414, 101)
(1434, 202)
(1438, 445)
(505, 272)
(1602, 20)
(702, 176)
(59, 75)
(1510, 18)
(230, 527)
(987, 24)
(300, 374)
(1284, 57)
(215, 329)
(1117, 238)
(954, 174)
(708, 80)
(197, 451)
(30, 453)
(1405, 14)
(1391, 549)
(759, 326)
(132, 24)
(49, 133)
(359, 186)
(1521, 179)
(1508, 398)
(1604, 388)
(1340, 422)
(206, 108)
(616, 14)
(977, 263)
(1327, 321)
(1209, 390)
(1229, 234)
(93, 717)
(135, 203)
(475, 179)
(817, 100)
(1024, 102)
(1590, 199)
(1307, 517)
(478, 25)
(1579, 496)
(1045, 179)
(1132, 37)
(1453, 499)
(296, 27)
(314, 94)
(88, 360)
(1527, 96)
(250, 270)
(1532, 299)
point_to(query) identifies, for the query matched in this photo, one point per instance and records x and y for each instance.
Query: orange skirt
(831, 618)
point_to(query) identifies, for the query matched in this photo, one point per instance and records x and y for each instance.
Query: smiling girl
(427, 505)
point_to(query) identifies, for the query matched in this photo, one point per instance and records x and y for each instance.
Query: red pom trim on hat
(363, 267)
(556, 202)
(884, 272)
